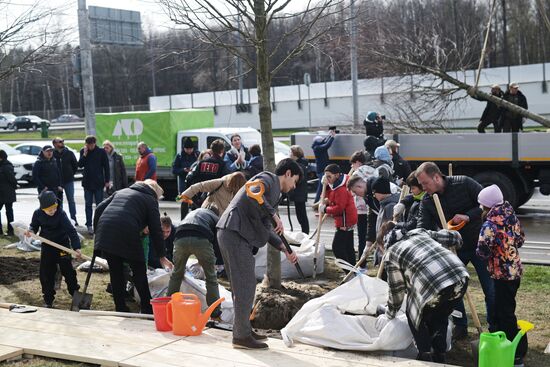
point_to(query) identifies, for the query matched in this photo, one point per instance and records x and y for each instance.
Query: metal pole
(153, 79)
(309, 104)
(68, 90)
(86, 69)
(239, 61)
(354, 65)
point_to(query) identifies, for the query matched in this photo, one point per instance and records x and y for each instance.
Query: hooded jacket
(45, 173)
(341, 204)
(499, 239)
(120, 219)
(66, 164)
(8, 183)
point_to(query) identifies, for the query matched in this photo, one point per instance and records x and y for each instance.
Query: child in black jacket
(55, 226)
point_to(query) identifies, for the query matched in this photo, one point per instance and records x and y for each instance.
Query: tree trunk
(470, 89)
(263, 78)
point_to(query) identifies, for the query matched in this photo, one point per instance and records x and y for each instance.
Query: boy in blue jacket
(54, 225)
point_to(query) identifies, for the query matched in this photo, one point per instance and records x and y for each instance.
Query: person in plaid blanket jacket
(419, 264)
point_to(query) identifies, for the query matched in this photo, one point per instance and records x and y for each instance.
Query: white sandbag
(326, 321)
(158, 285)
(25, 243)
(305, 253)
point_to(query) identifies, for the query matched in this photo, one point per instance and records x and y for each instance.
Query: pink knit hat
(490, 196)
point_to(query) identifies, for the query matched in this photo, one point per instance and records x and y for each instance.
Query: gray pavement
(534, 216)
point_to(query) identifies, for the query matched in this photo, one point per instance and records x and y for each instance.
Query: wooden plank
(7, 352)
(199, 351)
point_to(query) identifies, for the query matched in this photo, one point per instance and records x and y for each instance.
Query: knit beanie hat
(371, 116)
(490, 196)
(381, 186)
(381, 153)
(47, 199)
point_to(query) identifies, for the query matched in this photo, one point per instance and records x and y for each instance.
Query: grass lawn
(35, 135)
(533, 303)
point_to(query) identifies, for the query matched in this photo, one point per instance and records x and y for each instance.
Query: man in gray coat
(244, 226)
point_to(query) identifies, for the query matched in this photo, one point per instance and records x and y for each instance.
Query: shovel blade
(81, 301)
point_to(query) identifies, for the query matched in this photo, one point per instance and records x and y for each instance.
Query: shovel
(83, 300)
(18, 308)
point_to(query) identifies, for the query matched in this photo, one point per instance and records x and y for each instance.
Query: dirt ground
(19, 283)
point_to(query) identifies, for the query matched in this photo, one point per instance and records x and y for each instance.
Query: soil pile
(17, 269)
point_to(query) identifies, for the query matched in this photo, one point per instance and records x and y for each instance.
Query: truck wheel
(524, 197)
(502, 181)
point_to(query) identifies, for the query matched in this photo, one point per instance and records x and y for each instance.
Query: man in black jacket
(182, 166)
(67, 166)
(95, 176)
(8, 184)
(196, 235)
(45, 173)
(458, 196)
(511, 121)
(119, 220)
(491, 113)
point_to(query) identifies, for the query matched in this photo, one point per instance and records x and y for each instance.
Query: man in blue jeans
(458, 196)
(67, 166)
(95, 177)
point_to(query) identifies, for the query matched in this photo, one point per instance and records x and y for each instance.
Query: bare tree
(29, 35)
(242, 27)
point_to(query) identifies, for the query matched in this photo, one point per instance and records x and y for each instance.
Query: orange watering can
(184, 314)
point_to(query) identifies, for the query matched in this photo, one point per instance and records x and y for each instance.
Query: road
(534, 216)
(56, 126)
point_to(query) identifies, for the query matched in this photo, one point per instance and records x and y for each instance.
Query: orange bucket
(160, 313)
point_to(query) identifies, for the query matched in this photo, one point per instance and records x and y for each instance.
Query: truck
(516, 162)
(164, 133)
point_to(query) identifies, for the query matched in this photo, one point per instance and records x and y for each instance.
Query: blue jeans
(89, 196)
(319, 187)
(487, 285)
(68, 187)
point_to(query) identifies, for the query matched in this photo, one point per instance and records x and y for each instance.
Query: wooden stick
(380, 270)
(404, 192)
(450, 169)
(471, 305)
(100, 262)
(118, 314)
(321, 220)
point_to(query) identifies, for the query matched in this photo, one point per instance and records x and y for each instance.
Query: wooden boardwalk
(115, 341)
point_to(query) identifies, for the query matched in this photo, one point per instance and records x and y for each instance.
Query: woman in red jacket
(340, 205)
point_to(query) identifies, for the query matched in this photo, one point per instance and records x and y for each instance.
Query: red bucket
(159, 312)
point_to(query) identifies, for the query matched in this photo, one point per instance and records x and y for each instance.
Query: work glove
(381, 321)
(322, 208)
(324, 180)
(398, 209)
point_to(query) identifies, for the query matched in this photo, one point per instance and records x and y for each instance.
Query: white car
(35, 147)
(6, 121)
(22, 163)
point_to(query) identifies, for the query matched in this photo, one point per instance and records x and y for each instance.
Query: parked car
(6, 121)
(22, 163)
(35, 147)
(67, 118)
(29, 122)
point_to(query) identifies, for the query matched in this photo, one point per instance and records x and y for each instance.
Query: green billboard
(158, 129)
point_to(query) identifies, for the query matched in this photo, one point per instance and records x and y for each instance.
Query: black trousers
(483, 124)
(301, 214)
(505, 312)
(9, 216)
(342, 246)
(362, 232)
(118, 282)
(184, 209)
(49, 259)
(432, 330)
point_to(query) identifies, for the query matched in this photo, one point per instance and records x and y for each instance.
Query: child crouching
(55, 226)
(500, 237)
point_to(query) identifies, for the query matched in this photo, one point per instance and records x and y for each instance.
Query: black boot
(424, 356)
(10, 230)
(248, 343)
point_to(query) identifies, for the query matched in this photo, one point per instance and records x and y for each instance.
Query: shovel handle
(444, 225)
(258, 196)
(53, 244)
